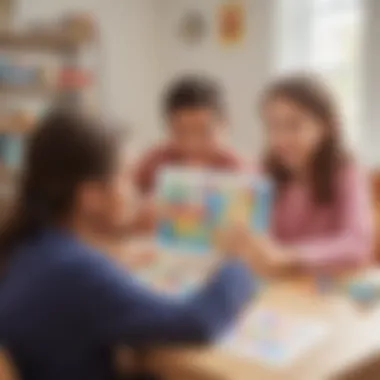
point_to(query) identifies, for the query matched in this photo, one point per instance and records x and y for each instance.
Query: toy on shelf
(74, 78)
(25, 78)
(194, 203)
(16, 74)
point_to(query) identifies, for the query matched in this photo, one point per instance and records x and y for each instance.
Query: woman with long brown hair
(64, 305)
(322, 210)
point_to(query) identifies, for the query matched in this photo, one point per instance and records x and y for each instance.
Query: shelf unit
(65, 47)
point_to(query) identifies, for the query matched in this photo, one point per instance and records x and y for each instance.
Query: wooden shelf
(16, 124)
(15, 129)
(27, 90)
(55, 42)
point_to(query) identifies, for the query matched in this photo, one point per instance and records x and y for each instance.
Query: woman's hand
(231, 241)
(238, 241)
(274, 259)
(259, 251)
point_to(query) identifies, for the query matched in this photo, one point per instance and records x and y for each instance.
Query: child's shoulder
(228, 158)
(158, 153)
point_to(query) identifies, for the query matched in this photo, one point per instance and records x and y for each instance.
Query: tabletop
(352, 344)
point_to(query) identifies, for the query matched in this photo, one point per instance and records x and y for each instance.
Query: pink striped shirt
(327, 235)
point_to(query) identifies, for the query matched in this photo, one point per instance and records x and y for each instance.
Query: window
(325, 36)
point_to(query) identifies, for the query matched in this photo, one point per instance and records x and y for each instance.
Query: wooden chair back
(7, 369)
(376, 197)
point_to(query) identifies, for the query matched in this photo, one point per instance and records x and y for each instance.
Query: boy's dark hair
(193, 92)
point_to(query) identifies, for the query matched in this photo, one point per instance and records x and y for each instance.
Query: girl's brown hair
(313, 95)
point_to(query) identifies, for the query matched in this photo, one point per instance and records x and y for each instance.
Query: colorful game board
(273, 338)
(193, 203)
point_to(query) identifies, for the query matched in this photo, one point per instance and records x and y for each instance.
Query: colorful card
(194, 203)
(273, 338)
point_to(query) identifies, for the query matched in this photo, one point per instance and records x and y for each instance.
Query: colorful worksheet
(273, 338)
(194, 203)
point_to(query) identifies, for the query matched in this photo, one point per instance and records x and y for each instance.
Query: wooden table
(351, 351)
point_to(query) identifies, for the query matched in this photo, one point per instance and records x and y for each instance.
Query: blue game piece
(362, 292)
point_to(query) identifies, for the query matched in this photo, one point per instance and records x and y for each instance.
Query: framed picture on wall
(192, 28)
(231, 22)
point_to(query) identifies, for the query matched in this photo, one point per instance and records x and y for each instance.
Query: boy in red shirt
(194, 108)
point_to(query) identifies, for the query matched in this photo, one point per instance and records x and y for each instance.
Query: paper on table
(273, 338)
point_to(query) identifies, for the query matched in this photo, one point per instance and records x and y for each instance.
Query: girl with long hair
(322, 216)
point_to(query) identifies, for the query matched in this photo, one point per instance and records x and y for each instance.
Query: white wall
(370, 131)
(242, 69)
(128, 56)
(142, 51)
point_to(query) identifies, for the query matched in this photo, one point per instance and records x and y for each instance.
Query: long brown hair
(66, 149)
(313, 95)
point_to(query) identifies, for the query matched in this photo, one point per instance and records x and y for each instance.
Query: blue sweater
(64, 306)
